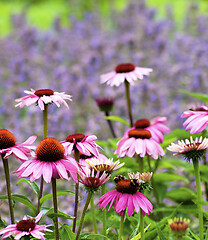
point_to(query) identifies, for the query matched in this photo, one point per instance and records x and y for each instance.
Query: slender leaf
(167, 177)
(60, 215)
(92, 236)
(138, 236)
(50, 195)
(33, 185)
(200, 96)
(117, 119)
(66, 233)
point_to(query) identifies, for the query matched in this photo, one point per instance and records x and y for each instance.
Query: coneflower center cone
(139, 133)
(50, 150)
(26, 225)
(124, 68)
(93, 182)
(142, 123)
(7, 139)
(77, 137)
(126, 186)
(44, 92)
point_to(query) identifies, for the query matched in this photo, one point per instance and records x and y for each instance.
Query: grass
(42, 13)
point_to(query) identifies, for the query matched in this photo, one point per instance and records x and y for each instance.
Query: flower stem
(110, 125)
(8, 185)
(45, 134)
(142, 225)
(83, 214)
(104, 211)
(76, 199)
(55, 205)
(199, 196)
(121, 226)
(92, 205)
(128, 102)
(141, 165)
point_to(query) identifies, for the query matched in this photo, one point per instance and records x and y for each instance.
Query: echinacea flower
(105, 104)
(155, 126)
(49, 161)
(124, 72)
(84, 144)
(197, 119)
(27, 226)
(190, 149)
(179, 226)
(92, 179)
(145, 177)
(140, 142)
(126, 196)
(42, 97)
(8, 145)
(103, 164)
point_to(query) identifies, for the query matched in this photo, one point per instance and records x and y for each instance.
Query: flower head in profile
(84, 144)
(43, 97)
(8, 145)
(125, 72)
(103, 164)
(143, 180)
(140, 142)
(190, 149)
(49, 161)
(179, 226)
(197, 119)
(105, 104)
(155, 126)
(127, 195)
(26, 227)
(92, 179)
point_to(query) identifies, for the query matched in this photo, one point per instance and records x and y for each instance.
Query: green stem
(110, 125)
(121, 226)
(76, 199)
(55, 205)
(45, 134)
(199, 196)
(141, 165)
(92, 205)
(104, 212)
(142, 225)
(128, 99)
(83, 214)
(8, 185)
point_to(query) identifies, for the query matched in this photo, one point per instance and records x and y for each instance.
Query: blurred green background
(41, 13)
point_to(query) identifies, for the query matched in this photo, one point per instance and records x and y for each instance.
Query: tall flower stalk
(104, 212)
(128, 100)
(121, 226)
(55, 205)
(92, 206)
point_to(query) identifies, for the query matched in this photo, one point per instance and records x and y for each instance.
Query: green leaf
(22, 199)
(92, 236)
(66, 233)
(168, 177)
(117, 119)
(60, 215)
(50, 195)
(200, 96)
(181, 194)
(33, 185)
(138, 236)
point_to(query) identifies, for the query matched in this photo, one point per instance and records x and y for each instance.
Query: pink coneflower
(125, 71)
(42, 97)
(84, 144)
(140, 142)
(190, 149)
(102, 163)
(27, 226)
(197, 119)
(49, 161)
(8, 145)
(92, 179)
(179, 226)
(126, 196)
(154, 126)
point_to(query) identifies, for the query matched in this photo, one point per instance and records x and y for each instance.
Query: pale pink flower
(197, 119)
(84, 144)
(154, 126)
(92, 179)
(8, 145)
(27, 226)
(42, 97)
(140, 142)
(49, 161)
(124, 72)
(126, 196)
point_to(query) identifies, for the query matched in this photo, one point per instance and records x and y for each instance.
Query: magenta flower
(84, 144)
(126, 196)
(197, 119)
(140, 142)
(42, 97)
(26, 227)
(49, 161)
(8, 145)
(154, 126)
(124, 71)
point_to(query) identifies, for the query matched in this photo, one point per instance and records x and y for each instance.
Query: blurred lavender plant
(72, 58)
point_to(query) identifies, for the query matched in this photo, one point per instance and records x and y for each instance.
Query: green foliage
(200, 96)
